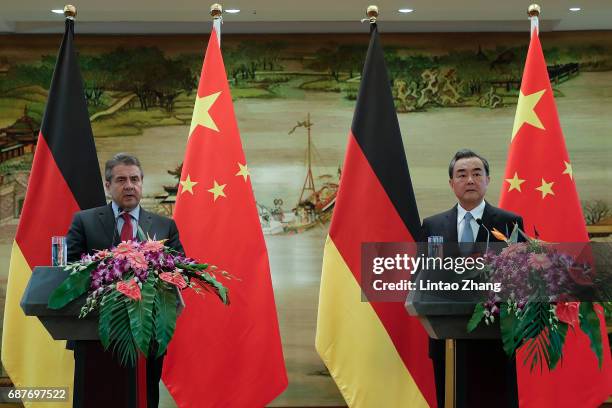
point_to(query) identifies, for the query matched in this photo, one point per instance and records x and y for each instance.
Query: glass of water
(59, 253)
(435, 246)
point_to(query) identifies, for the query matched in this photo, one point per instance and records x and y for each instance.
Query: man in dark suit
(101, 228)
(485, 375)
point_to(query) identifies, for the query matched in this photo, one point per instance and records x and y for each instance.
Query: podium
(63, 324)
(445, 316)
(99, 380)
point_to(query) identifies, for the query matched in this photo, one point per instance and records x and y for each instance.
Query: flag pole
(216, 11)
(533, 11)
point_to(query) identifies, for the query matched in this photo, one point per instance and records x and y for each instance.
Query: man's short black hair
(121, 158)
(466, 154)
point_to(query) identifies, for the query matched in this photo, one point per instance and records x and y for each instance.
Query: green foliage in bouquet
(533, 309)
(135, 288)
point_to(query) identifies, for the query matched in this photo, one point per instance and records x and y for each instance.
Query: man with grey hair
(485, 375)
(105, 227)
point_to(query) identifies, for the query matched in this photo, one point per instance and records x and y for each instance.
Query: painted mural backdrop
(294, 98)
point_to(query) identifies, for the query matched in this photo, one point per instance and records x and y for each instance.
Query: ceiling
(310, 16)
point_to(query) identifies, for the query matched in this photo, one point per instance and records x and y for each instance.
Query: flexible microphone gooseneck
(480, 223)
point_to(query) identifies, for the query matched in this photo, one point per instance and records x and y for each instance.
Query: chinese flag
(223, 356)
(375, 351)
(539, 184)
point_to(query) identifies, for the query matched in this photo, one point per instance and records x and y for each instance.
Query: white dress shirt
(476, 213)
(135, 213)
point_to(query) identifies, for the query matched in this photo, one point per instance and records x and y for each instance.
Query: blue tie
(467, 235)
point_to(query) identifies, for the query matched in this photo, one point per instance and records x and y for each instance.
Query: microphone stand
(481, 224)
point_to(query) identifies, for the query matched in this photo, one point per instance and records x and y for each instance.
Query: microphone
(481, 224)
(115, 227)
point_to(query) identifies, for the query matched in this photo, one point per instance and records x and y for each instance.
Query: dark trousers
(100, 381)
(484, 375)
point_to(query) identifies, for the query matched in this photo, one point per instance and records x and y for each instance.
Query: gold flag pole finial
(534, 10)
(216, 10)
(70, 11)
(372, 13)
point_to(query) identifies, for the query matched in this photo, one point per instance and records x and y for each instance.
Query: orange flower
(104, 253)
(539, 261)
(152, 246)
(137, 261)
(499, 235)
(124, 249)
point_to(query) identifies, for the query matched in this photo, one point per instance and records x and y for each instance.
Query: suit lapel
(145, 220)
(451, 224)
(107, 218)
(488, 220)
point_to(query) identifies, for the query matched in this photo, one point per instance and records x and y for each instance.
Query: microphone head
(478, 221)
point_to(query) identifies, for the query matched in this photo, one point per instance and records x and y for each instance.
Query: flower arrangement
(135, 288)
(534, 307)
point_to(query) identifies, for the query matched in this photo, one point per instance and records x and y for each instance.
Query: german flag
(65, 178)
(376, 352)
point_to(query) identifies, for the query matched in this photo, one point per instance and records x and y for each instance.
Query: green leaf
(218, 287)
(165, 317)
(77, 283)
(557, 339)
(514, 235)
(532, 328)
(122, 338)
(476, 317)
(590, 325)
(114, 327)
(107, 305)
(508, 325)
(141, 315)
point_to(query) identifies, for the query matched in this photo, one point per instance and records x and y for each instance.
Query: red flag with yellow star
(539, 185)
(223, 355)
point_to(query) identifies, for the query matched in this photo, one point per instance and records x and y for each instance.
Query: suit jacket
(445, 224)
(96, 228)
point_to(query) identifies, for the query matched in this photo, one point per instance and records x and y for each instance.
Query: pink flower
(137, 261)
(567, 312)
(513, 249)
(129, 289)
(539, 261)
(174, 278)
(152, 246)
(104, 253)
(124, 249)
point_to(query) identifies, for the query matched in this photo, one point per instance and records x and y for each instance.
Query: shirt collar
(476, 212)
(135, 212)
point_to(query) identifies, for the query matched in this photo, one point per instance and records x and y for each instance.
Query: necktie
(467, 235)
(127, 231)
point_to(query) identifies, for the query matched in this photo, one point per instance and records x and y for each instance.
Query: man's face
(470, 182)
(125, 186)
